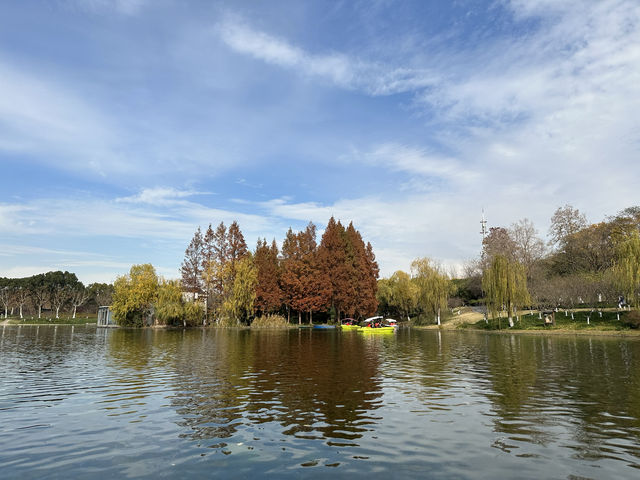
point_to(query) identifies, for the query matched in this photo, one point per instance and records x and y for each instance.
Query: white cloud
(123, 7)
(160, 196)
(41, 117)
(338, 68)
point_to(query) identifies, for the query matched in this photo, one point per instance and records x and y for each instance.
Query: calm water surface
(82, 402)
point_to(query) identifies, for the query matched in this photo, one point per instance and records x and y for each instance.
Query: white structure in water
(105, 317)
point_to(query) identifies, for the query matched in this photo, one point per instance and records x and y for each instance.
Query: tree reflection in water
(314, 386)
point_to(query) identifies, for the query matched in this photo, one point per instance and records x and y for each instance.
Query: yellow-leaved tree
(134, 295)
(432, 287)
(626, 269)
(239, 301)
(505, 286)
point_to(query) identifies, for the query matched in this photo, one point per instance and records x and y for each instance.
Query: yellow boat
(350, 327)
(377, 329)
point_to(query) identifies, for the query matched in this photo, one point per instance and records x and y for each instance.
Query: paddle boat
(349, 324)
(324, 326)
(378, 324)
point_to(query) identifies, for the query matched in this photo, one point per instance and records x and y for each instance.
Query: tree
(529, 248)
(134, 295)
(402, 293)
(497, 242)
(79, 295)
(238, 305)
(169, 305)
(101, 293)
(627, 269)
(291, 278)
(314, 280)
(565, 222)
(269, 296)
(505, 284)
(332, 260)
(21, 294)
(237, 247)
(5, 295)
(192, 264)
(39, 291)
(363, 271)
(306, 286)
(60, 285)
(432, 287)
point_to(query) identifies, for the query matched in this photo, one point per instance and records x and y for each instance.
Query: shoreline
(557, 331)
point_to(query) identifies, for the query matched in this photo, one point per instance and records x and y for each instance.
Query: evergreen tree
(332, 260)
(269, 296)
(191, 268)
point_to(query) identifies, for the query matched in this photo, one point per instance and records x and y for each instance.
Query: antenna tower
(483, 223)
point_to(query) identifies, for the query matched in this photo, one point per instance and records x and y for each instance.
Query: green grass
(532, 322)
(63, 320)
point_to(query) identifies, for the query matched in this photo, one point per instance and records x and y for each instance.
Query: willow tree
(432, 287)
(505, 285)
(627, 268)
(402, 293)
(239, 301)
(134, 295)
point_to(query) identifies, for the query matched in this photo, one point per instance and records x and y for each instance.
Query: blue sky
(125, 124)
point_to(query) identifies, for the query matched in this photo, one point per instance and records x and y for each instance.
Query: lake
(83, 402)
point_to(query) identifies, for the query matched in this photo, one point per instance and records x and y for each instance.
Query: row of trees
(335, 278)
(141, 298)
(57, 292)
(581, 263)
(423, 294)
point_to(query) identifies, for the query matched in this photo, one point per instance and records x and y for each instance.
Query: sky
(126, 124)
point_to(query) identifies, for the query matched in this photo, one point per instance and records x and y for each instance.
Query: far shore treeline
(50, 295)
(224, 283)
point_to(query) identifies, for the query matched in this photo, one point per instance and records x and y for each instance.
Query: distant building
(105, 317)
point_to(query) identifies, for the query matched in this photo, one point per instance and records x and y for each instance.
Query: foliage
(172, 309)
(192, 265)
(169, 309)
(505, 285)
(632, 319)
(627, 268)
(134, 295)
(432, 287)
(269, 295)
(403, 293)
(270, 321)
(238, 304)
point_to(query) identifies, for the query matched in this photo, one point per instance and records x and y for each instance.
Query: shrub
(270, 321)
(632, 319)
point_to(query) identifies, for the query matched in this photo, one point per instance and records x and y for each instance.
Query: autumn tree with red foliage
(269, 296)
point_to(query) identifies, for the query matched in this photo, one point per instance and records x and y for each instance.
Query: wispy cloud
(160, 196)
(124, 7)
(337, 68)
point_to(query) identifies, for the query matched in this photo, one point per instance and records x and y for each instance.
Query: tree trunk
(5, 312)
(57, 312)
(74, 311)
(39, 310)
(438, 318)
(20, 311)
(310, 317)
(299, 317)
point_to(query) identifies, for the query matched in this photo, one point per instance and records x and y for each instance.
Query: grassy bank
(582, 321)
(79, 320)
